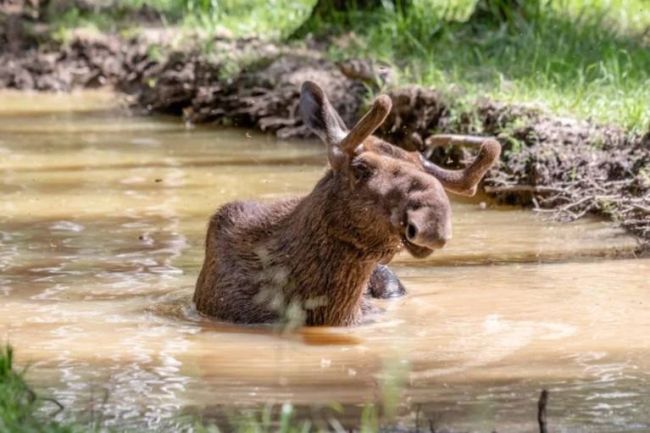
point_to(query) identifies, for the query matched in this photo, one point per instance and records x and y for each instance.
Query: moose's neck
(332, 258)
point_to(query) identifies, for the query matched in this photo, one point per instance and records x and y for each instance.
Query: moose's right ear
(319, 115)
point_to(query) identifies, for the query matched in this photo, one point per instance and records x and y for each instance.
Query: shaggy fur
(312, 258)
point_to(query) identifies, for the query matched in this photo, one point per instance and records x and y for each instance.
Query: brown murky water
(101, 229)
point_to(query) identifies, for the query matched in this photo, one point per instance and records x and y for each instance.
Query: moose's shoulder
(250, 212)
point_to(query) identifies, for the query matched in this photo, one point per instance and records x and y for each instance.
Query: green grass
(578, 58)
(20, 406)
(269, 19)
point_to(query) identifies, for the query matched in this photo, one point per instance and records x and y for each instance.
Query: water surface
(102, 221)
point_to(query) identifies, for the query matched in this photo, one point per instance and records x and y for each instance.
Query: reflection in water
(101, 236)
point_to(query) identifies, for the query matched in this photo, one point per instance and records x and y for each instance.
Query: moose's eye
(361, 170)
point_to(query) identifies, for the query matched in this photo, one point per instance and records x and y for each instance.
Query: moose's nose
(426, 232)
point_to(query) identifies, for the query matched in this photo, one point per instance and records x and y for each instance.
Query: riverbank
(560, 166)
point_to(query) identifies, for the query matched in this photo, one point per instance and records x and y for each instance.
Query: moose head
(396, 194)
(323, 251)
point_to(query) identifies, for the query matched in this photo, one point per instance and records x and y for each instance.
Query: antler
(367, 125)
(466, 180)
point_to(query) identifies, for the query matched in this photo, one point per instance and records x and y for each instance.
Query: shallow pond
(102, 222)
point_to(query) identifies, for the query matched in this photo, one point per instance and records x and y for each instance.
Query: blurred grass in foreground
(24, 411)
(19, 404)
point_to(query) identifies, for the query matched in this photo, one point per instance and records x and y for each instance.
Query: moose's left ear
(319, 115)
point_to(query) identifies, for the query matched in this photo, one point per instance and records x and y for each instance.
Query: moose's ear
(319, 115)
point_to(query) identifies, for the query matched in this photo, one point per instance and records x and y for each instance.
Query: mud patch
(262, 94)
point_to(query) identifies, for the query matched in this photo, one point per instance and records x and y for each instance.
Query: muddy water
(101, 229)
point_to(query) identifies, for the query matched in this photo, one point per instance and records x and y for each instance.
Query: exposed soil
(562, 166)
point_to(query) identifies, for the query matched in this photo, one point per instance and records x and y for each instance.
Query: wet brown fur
(313, 256)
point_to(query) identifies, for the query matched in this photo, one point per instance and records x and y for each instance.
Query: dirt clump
(88, 60)
(261, 94)
(571, 168)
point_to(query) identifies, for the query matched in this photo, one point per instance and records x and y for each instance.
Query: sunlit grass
(268, 19)
(582, 58)
(19, 404)
(579, 58)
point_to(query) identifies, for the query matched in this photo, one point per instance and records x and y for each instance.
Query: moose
(319, 255)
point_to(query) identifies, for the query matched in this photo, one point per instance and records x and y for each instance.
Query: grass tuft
(582, 58)
(19, 405)
(585, 59)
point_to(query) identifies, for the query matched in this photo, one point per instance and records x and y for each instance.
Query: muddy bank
(561, 166)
